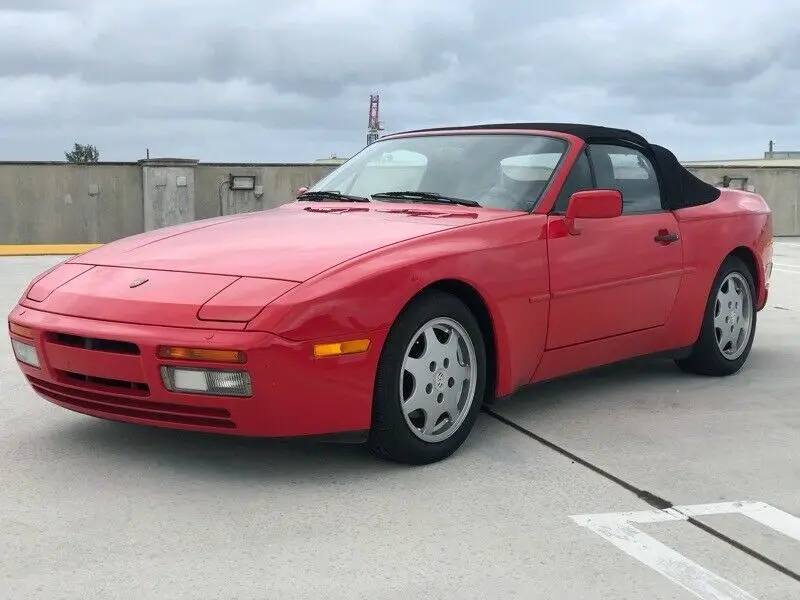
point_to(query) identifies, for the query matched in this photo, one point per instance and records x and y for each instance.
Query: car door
(616, 275)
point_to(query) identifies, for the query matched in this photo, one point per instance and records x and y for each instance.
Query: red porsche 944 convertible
(433, 272)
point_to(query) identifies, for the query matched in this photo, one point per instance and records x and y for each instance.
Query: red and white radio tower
(374, 125)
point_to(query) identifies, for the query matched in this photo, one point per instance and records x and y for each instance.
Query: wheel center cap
(439, 380)
(734, 316)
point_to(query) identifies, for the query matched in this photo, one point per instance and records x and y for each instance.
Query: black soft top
(681, 188)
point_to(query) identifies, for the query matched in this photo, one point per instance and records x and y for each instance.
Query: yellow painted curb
(45, 249)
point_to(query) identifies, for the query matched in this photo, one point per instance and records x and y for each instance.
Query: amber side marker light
(340, 348)
(20, 330)
(202, 354)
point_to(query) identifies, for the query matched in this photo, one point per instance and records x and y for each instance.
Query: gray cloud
(248, 80)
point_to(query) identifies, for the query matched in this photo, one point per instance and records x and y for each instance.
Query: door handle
(666, 237)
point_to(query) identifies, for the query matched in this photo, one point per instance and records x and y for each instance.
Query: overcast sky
(289, 80)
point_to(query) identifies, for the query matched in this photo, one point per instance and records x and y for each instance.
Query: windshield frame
(554, 176)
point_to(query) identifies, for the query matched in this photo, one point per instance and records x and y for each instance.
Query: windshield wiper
(320, 195)
(426, 197)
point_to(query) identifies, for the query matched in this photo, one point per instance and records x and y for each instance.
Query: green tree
(83, 153)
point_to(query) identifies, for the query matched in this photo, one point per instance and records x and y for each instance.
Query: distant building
(332, 160)
(748, 163)
(786, 154)
(780, 154)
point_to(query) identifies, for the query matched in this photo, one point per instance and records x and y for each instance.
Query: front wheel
(430, 382)
(729, 324)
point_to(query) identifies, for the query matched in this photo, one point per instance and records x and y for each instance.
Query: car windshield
(507, 171)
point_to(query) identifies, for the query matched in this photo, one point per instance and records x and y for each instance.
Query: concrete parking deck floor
(92, 509)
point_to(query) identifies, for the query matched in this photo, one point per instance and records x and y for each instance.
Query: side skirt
(674, 354)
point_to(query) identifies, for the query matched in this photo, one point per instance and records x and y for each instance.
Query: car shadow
(587, 386)
(213, 457)
(629, 379)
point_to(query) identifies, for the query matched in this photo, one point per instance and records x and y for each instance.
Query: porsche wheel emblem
(138, 282)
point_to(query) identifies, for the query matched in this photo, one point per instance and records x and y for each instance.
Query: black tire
(391, 437)
(706, 358)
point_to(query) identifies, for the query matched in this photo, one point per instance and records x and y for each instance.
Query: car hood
(292, 242)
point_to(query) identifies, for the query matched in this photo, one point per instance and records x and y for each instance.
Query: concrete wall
(168, 189)
(61, 203)
(52, 203)
(779, 186)
(279, 185)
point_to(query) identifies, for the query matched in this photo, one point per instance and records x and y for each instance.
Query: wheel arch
(476, 303)
(702, 358)
(749, 258)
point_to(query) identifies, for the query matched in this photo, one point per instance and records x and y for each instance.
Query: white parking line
(618, 529)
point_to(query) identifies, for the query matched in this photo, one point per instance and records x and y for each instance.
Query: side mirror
(301, 190)
(595, 204)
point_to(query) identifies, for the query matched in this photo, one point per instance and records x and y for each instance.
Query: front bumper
(294, 394)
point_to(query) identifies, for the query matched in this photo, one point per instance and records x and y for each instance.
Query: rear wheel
(430, 382)
(729, 324)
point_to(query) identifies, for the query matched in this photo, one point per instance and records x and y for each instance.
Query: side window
(579, 178)
(630, 172)
(523, 179)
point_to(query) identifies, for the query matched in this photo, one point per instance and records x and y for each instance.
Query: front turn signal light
(340, 348)
(201, 354)
(20, 330)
